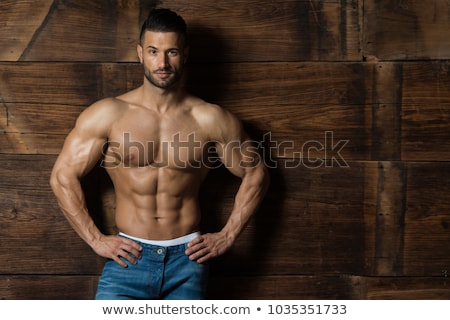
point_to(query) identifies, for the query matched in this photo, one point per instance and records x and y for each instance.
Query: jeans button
(159, 251)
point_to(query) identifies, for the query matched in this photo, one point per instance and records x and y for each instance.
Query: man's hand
(207, 246)
(114, 247)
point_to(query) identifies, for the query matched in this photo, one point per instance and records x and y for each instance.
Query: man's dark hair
(164, 20)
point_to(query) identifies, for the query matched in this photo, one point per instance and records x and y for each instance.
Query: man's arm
(81, 151)
(241, 158)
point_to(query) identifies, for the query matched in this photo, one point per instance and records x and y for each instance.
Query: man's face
(163, 56)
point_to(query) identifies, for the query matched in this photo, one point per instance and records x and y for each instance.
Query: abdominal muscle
(156, 203)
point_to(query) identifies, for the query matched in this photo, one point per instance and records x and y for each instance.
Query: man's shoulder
(218, 121)
(207, 110)
(101, 113)
(107, 107)
(107, 103)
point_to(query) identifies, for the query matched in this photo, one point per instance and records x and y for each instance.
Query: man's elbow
(59, 179)
(54, 180)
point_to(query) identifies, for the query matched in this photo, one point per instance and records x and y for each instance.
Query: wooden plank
(56, 83)
(406, 288)
(36, 129)
(406, 30)
(33, 225)
(386, 110)
(426, 111)
(321, 287)
(390, 217)
(322, 104)
(108, 30)
(55, 287)
(312, 221)
(19, 28)
(246, 84)
(294, 287)
(427, 220)
(316, 98)
(305, 30)
(425, 132)
(314, 134)
(314, 212)
(243, 85)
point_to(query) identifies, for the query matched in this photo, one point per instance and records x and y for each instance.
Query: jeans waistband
(164, 243)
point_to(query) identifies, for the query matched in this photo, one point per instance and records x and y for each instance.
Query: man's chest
(177, 142)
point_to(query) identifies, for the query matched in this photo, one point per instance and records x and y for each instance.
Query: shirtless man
(155, 143)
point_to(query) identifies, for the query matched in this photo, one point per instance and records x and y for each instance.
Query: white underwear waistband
(165, 243)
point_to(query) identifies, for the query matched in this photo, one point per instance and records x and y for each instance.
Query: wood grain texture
(297, 103)
(293, 287)
(19, 29)
(313, 221)
(406, 30)
(348, 100)
(54, 287)
(108, 30)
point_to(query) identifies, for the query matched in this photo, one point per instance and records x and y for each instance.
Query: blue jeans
(161, 273)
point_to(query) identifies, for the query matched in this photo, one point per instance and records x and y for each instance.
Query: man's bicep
(84, 145)
(233, 145)
(80, 153)
(238, 156)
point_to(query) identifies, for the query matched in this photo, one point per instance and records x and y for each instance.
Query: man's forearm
(73, 205)
(250, 194)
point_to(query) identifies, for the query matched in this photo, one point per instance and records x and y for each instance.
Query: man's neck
(161, 99)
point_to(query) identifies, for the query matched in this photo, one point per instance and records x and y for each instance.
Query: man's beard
(165, 83)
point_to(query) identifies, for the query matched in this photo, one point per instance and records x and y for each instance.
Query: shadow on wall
(209, 78)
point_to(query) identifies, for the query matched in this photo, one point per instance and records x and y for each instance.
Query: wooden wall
(349, 99)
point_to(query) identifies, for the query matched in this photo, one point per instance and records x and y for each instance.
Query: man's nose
(163, 61)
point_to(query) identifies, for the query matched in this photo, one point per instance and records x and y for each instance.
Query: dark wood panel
(107, 30)
(406, 30)
(37, 237)
(322, 132)
(322, 219)
(64, 84)
(358, 151)
(19, 27)
(386, 111)
(426, 111)
(426, 132)
(312, 221)
(244, 84)
(318, 105)
(296, 103)
(313, 214)
(57, 83)
(56, 287)
(294, 287)
(406, 288)
(427, 220)
(320, 287)
(354, 220)
(389, 219)
(284, 287)
(273, 30)
(23, 143)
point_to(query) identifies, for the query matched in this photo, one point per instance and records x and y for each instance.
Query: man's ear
(139, 52)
